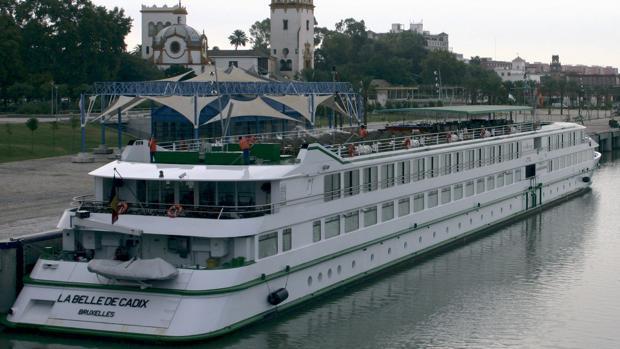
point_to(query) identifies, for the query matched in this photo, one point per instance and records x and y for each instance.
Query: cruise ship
(191, 242)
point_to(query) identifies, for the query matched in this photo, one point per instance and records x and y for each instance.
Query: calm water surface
(551, 280)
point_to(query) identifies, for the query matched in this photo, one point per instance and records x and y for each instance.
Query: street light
(437, 74)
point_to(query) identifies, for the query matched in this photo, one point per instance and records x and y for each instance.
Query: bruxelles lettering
(99, 313)
(103, 300)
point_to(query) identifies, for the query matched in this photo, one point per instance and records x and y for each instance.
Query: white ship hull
(185, 312)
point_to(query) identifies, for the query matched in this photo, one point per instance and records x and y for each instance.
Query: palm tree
(238, 38)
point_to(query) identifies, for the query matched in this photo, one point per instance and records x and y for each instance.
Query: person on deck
(152, 148)
(363, 133)
(245, 143)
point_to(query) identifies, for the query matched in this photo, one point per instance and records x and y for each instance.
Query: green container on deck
(224, 158)
(177, 157)
(268, 152)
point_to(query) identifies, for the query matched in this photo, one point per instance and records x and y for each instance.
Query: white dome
(189, 34)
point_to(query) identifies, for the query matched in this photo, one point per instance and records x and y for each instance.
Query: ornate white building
(167, 39)
(292, 35)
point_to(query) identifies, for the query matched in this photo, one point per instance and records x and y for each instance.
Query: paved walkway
(34, 193)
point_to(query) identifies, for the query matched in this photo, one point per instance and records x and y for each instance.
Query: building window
(175, 47)
(404, 207)
(147, 50)
(285, 24)
(332, 186)
(387, 211)
(287, 239)
(351, 183)
(351, 221)
(332, 226)
(307, 25)
(370, 216)
(267, 245)
(275, 51)
(370, 178)
(316, 231)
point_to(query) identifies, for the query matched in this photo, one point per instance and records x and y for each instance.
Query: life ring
(174, 211)
(122, 207)
(407, 143)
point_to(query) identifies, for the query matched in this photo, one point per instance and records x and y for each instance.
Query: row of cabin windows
(353, 220)
(568, 160)
(200, 193)
(563, 140)
(403, 172)
(268, 243)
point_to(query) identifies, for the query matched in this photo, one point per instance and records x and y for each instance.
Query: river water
(551, 280)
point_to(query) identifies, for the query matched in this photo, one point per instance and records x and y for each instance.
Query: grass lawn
(48, 143)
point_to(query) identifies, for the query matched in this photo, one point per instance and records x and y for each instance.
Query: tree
(33, 125)
(55, 127)
(74, 122)
(238, 38)
(260, 34)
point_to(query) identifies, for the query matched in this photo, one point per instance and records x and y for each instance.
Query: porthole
(353, 265)
(339, 270)
(309, 280)
(329, 273)
(175, 47)
(372, 257)
(320, 277)
(390, 250)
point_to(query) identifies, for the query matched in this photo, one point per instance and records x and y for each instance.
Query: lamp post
(437, 74)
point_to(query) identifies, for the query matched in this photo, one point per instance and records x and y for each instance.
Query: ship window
(500, 149)
(387, 175)
(141, 191)
(458, 191)
(370, 216)
(207, 193)
(518, 175)
(316, 231)
(387, 211)
(490, 182)
(434, 165)
(152, 188)
(351, 221)
(226, 194)
(167, 193)
(480, 157)
(480, 186)
(285, 24)
(491, 152)
(418, 169)
(469, 188)
(518, 150)
(287, 239)
(500, 180)
(530, 171)
(508, 176)
(332, 226)
(471, 159)
(404, 207)
(186, 193)
(370, 178)
(404, 172)
(432, 199)
(351, 183)
(418, 202)
(332, 186)
(445, 195)
(267, 245)
(459, 161)
(447, 164)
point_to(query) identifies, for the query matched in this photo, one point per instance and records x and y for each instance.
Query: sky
(581, 32)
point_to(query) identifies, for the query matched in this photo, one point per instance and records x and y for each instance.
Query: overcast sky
(581, 32)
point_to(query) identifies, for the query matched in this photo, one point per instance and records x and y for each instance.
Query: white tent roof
(301, 103)
(255, 107)
(232, 74)
(125, 103)
(185, 105)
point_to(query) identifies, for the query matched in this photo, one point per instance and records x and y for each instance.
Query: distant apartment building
(586, 76)
(434, 42)
(516, 70)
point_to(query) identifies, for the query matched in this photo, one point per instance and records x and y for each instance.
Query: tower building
(292, 35)
(155, 19)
